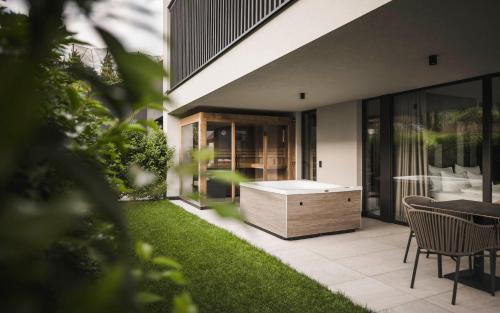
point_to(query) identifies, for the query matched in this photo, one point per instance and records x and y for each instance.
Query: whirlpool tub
(293, 209)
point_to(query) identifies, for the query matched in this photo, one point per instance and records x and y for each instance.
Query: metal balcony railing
(201, 30)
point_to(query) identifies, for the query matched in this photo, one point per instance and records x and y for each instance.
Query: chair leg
(440, 266)
(493, 267)
(428, 253)
(408, 246)
(415, 268)
(457, 273)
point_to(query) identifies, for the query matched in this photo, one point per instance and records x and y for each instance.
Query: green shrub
(151, 153)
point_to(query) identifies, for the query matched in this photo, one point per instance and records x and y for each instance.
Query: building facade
(401, 97)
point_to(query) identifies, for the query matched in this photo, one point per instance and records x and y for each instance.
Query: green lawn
(225, 273)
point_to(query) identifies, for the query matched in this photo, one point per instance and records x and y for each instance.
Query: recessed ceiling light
(433, 59)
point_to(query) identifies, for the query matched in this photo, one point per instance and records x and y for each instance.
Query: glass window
(495, 174)
(309, 145)
(438, 144)
(189, 142)
(372, 157)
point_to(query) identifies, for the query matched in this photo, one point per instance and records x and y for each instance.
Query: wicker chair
(408, 203)
(493, 250)
(419, 203)
(448, 235)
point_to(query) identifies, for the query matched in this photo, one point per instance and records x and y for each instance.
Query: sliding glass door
(441, 142)
(438, 144)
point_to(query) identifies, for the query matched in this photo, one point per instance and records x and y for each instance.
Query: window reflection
(438, 144)
(496, 140)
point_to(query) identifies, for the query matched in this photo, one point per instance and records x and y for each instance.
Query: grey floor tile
(420, 306)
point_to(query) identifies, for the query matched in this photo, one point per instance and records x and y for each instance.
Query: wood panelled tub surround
(301, 208)
(259, 147)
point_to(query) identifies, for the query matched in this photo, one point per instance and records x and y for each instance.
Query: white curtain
(410, 149)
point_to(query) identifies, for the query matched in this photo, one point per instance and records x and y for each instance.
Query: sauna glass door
(250, 151)
(276, 165)
(218, 139)
(189, 181)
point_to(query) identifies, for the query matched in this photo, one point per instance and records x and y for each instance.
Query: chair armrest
(480, 237)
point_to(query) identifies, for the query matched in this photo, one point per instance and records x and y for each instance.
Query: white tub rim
(303, 187)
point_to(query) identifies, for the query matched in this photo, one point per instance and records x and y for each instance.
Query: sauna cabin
(262, 148)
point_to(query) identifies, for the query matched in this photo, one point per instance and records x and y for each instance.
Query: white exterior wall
(171, 124)
(339, 143)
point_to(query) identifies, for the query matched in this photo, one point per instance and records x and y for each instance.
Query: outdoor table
(482, 213)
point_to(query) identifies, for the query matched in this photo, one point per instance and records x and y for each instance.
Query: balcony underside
(382, 52)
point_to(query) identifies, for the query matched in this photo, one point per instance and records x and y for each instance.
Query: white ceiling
(382, 52)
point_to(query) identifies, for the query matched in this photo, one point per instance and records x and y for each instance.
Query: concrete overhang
(383, 51)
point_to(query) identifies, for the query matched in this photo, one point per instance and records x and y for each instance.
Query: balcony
(202, 30)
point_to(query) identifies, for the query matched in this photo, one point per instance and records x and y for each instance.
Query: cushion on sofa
(453, 182)
(435, 176)
(462, 170)
(475, 180)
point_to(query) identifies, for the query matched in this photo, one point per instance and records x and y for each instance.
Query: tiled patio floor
(367, 267)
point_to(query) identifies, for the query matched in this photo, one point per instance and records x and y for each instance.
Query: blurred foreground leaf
(227, 177)
(96, 297)
(148, 297)
(226, 209)
(26, 227)
(203, 155)
(144, 250)
(184, 304)
(167, 262)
